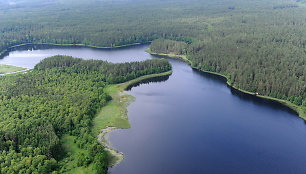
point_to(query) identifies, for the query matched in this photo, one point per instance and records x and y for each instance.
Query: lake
(192, 122)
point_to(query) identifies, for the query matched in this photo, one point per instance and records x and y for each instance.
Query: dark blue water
(193, 123)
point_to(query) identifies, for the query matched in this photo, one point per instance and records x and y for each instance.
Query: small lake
(192, 122)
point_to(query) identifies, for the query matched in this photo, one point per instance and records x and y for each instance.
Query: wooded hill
(61, 95)
(259, 45)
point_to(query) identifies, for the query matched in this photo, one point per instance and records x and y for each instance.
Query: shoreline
(10, 73)
(118, 156)
(121, 89)
(78, 45)
(6, 69)
(295, 108)
(121, 93)
(181, 57)
(64, 45)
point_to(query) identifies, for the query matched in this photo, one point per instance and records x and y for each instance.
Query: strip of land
(6, 69)
(112, 116)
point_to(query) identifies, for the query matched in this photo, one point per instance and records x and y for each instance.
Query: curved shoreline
(20, 69)
(295, 108)
(25, 71)
(121, 89)
(78, 45)
(107, 145)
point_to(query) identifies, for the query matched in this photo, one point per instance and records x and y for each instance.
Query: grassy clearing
(72, 151)
(301, 111)
(112, 116)
(4, 69)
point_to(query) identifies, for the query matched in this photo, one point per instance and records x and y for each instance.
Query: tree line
(61, 95)
(259, 45)
(265, 71)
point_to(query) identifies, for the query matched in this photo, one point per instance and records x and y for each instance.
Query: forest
(60, 96)
(259, 45)
(285, 81)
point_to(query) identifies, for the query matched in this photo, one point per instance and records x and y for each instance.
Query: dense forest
(259, 45)
(271, 73)
(61, 95)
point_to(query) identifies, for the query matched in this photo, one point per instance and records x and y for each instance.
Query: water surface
(193, 123)
(29, 56)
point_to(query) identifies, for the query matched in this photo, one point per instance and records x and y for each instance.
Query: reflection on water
(148, 81)
(247, 97)
(192, 122)
(29, 55)
(262, 101)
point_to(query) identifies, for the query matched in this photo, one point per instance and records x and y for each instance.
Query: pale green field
(9, 69)
(114, 114)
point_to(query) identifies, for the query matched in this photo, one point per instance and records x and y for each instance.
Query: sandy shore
(106, 143)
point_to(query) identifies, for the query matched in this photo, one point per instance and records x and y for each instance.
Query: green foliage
(98, 23)
(260, 44)
(247, 67)
(98, 156)
(9, 68)
(60, 96)
(169, 47)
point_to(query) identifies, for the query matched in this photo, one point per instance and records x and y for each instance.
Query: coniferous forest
(258, 44)
(61, 95)
(274, 74)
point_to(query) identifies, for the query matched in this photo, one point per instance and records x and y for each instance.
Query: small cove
(192, 122)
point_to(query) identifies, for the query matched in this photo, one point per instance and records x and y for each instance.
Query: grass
(114, 114)
(300, 110)
(4, 69)
(72, 151)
